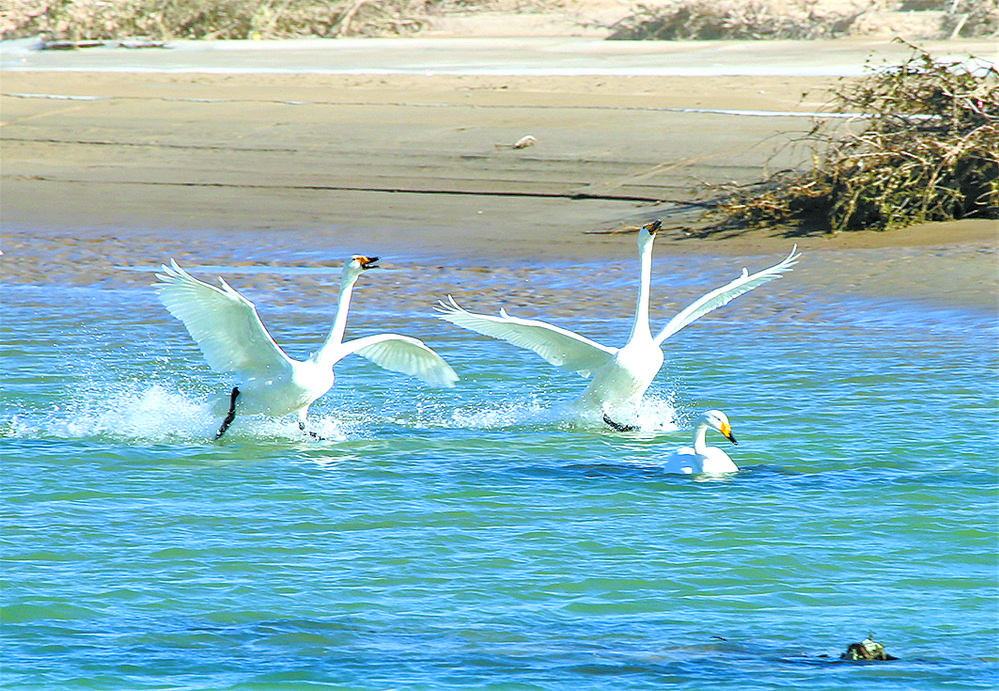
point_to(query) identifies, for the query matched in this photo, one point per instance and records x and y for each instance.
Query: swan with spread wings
(232, 338)
(620, 376)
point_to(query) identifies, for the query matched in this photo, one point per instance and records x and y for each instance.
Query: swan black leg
(301, 426)
(617, 426)
(231, 415)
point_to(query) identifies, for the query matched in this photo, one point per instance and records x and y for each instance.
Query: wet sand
(138, 167)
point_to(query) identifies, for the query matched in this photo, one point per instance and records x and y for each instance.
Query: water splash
(503, 414)
(158, 413)
(151, 413)
(656, 413)
(155, 414)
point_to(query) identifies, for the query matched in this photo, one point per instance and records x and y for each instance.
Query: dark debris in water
(867, 650)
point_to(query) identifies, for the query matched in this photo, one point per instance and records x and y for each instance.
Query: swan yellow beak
(367, 262)
(726, 429)
(653, 226)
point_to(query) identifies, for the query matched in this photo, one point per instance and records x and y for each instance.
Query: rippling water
(483, 537)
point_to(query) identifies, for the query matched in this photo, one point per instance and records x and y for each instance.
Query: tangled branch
(927, 150)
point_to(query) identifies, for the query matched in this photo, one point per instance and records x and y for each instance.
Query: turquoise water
(484, 537)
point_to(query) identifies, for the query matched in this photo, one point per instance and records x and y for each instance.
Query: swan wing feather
(556, 345)
(223, 323)
(728, 292)
(402, 354)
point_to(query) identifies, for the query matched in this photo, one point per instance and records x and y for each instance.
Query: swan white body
(620, 376)
(701, 458)
(232, 338)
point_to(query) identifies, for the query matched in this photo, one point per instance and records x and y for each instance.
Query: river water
(484, 536)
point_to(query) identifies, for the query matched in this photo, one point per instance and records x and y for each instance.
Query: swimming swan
(226, 327)
(702, 458)
(620, 375)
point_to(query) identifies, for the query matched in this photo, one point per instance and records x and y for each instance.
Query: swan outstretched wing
(402, 354)
(222, 322)
(558, 346)
(721, 296)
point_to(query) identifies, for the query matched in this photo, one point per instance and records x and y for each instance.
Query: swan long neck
(700, 445)
(335, 337)
(641, 324)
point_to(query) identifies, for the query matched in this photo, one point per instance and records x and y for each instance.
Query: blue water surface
(485, 536)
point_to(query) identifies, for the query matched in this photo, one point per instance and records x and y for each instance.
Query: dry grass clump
(708, 20)
(962, 18)
(78, 20)
(926, 148)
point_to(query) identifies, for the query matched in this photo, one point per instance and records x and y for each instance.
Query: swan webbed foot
(231, 415)
(617, 426)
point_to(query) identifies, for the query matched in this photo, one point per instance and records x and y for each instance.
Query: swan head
(364, 263)
(718, 421)
(647, 233)
(358, 264)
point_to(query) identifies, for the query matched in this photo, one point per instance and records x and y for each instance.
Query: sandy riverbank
(139, 166)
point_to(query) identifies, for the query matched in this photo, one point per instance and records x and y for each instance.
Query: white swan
(620, 375)
(226, 327)
(701, 458)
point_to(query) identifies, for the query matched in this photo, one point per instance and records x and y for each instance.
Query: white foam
(157, 414)
(503, 414)
(656, 414)
(152, 412)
